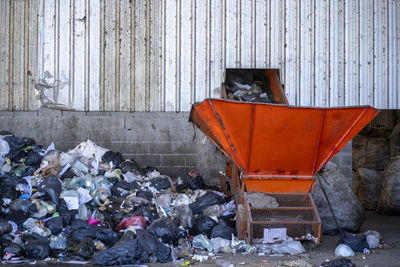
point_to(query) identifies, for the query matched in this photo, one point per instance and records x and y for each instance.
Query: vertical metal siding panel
(351, 52)
(392, 56)
(380, 52)
(321, 53)
(245, 29)
(4, 53)
(124, 55)
(94, 55)
(276, 33)
(140, 55)
(216, 68)
(306, 56)
(48, 29)
(79, 55)
(337, 53)
(170, 71)
(33, 55)
(261, 32)
(109, 51)
(366, 52)
(63, 53)
(18, 57)
(155, 56)
(231, 34)
(185, 55)
(201, 50)
(178, 52)
(147, 51)
(291, 51)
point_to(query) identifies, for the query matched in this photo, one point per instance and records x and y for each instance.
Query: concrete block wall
(165, 140)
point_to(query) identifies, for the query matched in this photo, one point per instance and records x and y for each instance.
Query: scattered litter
(339, 262)
(343, 250)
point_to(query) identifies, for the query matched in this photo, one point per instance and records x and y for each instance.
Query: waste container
(277, 149)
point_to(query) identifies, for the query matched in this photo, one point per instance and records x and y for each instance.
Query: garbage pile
(249, 86)
(89, 204)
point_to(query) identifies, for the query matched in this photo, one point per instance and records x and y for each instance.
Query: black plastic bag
(51, 187)
(5, 227)
(193, 183)
(145, 211)
(152, 246)
(33, 159)
(124, 185)
(114, 157)
(165, 228)
(205, 201)
(356, 242)
(106, 235)
(55, 225)
(20, 210)
(126, 252)
(86, 248)
(160, 183)
(203, 225)
(131, 166)
(8, 186)
(79, 230)
(223, 230)
(37, 249)
(340, 262)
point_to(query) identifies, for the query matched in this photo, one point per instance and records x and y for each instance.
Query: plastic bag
(160, 183)
(184, 213)
(202, 242)
(5, 227)
(114, 157)
(37, 249)
(389, 202)
(165, 228)
(203, 225)
(288, 247)
(55, 225)
(205, 201)
(356, 242)
(51, 187)
(150, 244)
(86, 248)
(343, 250)
(124, 252)
(58, 241)
(220, 244)
(260, 200)
(131, 221)
(223, 230)
(20, 210)
(193, 182)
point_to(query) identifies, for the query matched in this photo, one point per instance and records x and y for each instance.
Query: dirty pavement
(89, 205)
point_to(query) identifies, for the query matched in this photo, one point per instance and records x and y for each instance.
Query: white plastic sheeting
(164, 55)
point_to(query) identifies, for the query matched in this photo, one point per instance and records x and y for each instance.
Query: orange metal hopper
(278, 148)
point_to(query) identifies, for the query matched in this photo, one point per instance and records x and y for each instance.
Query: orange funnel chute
(268, 139)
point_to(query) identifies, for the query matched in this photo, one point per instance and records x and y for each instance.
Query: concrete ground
(388, 226)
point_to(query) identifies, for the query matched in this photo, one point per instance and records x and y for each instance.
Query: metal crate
(296, 212)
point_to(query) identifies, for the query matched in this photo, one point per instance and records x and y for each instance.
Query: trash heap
(245, 85)
(91, 204)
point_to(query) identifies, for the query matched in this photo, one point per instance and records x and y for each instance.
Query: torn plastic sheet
(47, 91)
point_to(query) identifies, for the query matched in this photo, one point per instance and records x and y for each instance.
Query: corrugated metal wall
(164, 55)
(18, 54)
